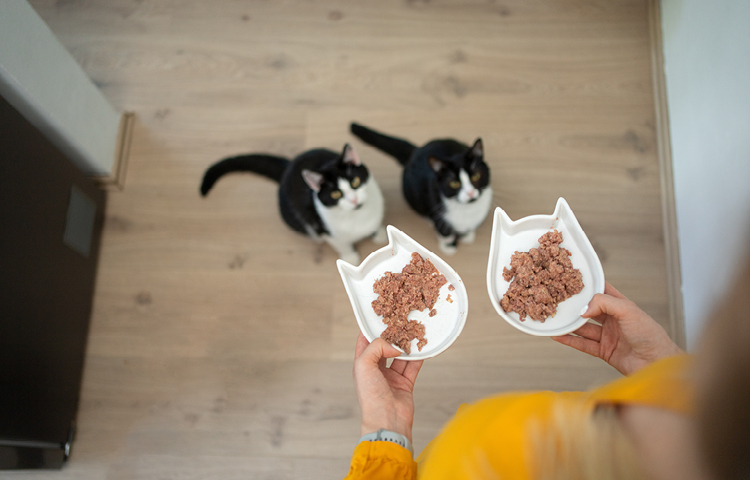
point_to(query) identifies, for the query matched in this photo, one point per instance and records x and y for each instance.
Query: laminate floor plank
(221, 342)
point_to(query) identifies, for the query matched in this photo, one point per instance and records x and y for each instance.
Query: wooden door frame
(676, 327)
(116, 179)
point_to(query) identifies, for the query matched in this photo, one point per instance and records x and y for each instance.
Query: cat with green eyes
(323, 194)
(444, 180)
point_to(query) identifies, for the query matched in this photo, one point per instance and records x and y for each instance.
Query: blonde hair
(580, 444)
(723, 392)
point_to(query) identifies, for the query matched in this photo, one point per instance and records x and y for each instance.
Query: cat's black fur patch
(430, 171)
(269, 166)
(398, 148)
(296, 197)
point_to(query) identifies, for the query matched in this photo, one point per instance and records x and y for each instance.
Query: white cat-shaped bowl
(522, 235)
(441, 330)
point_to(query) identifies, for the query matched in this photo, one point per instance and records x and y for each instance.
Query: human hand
(626, 337)
(385, 394)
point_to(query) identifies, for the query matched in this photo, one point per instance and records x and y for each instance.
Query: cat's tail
(267, 165)
(395, 147)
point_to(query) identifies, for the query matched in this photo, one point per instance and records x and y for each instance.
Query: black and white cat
(326, 195)
(444, 180)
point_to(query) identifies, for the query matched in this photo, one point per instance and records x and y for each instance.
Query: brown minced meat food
(542, 278)
(416, 288)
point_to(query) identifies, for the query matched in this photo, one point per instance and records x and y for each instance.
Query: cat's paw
(380, 237)
(468, 238)
(448, 245)
(350, 257)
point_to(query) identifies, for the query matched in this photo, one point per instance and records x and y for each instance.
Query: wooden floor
(221, 342)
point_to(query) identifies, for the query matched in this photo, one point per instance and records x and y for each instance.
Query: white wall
(46, 85)
(707, 63)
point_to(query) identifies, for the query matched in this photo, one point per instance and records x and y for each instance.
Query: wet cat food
(542, 278)
(416, 288)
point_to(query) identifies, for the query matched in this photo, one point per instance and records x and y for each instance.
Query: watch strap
(384, 435)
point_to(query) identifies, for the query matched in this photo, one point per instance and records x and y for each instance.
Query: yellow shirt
(490, 435)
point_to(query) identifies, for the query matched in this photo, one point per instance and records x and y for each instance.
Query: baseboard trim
(122, 153)
(663, 144)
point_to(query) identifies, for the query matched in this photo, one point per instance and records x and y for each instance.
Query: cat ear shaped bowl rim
(521, 235)
(441, 330)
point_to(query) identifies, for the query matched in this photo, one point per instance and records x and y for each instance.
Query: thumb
(607, 304)
(378, 350)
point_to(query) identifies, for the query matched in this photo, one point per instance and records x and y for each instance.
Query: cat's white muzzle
(351, 199)
(468, 195)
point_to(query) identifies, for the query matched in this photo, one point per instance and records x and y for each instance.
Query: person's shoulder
(666, 383)
(492, 433)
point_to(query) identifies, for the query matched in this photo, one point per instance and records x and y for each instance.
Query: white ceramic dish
(509, 236)
(441, 330)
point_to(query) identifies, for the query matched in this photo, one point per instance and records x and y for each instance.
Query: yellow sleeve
(381, 460)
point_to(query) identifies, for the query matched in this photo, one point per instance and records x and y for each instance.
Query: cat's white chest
(467, 217)
(354, 225)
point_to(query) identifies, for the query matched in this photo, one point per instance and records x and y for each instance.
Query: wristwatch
(384, 435)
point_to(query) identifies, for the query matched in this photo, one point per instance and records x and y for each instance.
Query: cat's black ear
(350, 156)
(478, 149)
(436, 163)
(314, 180)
